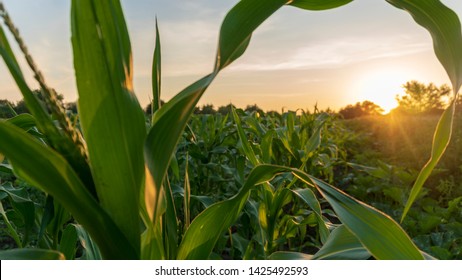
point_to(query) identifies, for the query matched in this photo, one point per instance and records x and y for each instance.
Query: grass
(211, 153)
(394, 147)
(406, 141)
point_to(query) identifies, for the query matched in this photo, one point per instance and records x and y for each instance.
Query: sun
(381, 87)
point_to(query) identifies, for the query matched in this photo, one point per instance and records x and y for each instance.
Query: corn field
(113, 183)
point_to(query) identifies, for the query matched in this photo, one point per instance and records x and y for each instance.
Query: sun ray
(381, 87)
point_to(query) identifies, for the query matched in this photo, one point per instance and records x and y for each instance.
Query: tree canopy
(366, 108)
(421, 98)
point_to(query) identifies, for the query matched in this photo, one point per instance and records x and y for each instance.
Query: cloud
(337, 53)
(188, 48)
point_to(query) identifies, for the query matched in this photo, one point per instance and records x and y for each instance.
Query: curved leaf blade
(169, 121)
(23, 121)
(68, 242)
(317, 5)
(44, 168)
(238, 26)
(31, 254)
(9, 227)
(112, 120)
(342, 245)
(248, 151)
(379, 233)
(58, 141)
(440, 142)
(289, 256)
(207, 227)
(156, 73)
(168, 124)
(445, 28)
(311, 200)
(23, 206)
(90, 249)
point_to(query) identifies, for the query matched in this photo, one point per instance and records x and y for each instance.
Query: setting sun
(381, 87)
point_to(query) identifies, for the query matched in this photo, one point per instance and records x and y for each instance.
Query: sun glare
(381, 88)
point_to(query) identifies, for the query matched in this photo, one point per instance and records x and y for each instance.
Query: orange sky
(363, 51)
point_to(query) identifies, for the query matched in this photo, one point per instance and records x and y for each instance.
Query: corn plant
(111, 175)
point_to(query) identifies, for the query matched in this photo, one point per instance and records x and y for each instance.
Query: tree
(148, 108)
(254, 109)
(224, 110)
(421, 98)
(274, 114)
(366, 108)
(71, 106)
(206, 109)
(5, 109)
(20, 107)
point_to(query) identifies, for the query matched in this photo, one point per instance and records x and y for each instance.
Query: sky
(365, 50)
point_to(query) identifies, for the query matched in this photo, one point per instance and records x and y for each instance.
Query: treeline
(9, 109)
(209, 109)
(418, 98)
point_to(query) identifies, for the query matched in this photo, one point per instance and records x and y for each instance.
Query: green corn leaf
(238, 26)
(313, 143)
(47, 216)
(24, 121)
(43, 120)
(22, 205)
(267, 146)
(342, 245)
(234, 38)
(169, 122)
(208, 226)
(379, 233)
(318, 5)
(187, 197)
(170, 224)
(428, 257)
(311, 200)
(283, 137)
(5, 168)
(112, 120)
(152, 247)
(7, 52)
(440, 141)
(44, 168)
(289, 256)
(31, 254)
(445, 29)
(156, 73)
(315, 140)
(167, 126)
(205, 201)
(90, 249)
(10, 229)
(68, 242)
(248, 151)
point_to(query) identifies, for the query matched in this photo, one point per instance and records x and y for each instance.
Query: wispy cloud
(338, 53)
(189, 47)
